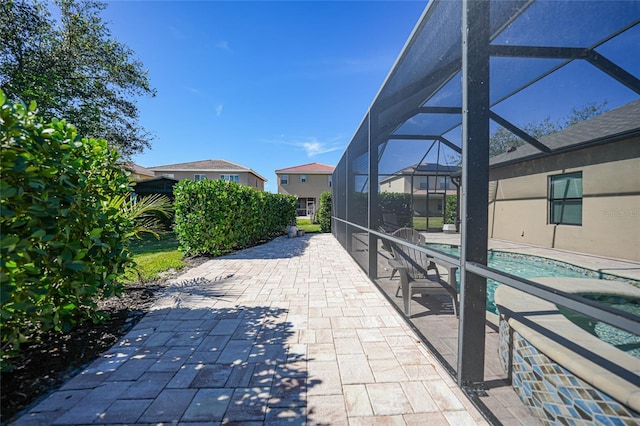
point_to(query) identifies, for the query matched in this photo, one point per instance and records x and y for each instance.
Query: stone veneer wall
(551, 392)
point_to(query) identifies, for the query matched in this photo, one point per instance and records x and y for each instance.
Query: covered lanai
(478, 79)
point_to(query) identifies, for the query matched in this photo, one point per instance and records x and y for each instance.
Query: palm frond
(143, 211)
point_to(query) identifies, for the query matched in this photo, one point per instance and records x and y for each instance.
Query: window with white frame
(198, 177)
(330, 180)
(284, 179)
(303, 178)
(230, 178)
(565, 199)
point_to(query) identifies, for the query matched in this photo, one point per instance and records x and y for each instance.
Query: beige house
(428, 184)
(584, 198)
(212, 169)
(306, 182)
(138, 172)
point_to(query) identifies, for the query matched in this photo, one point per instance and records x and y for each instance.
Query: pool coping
(571, 346)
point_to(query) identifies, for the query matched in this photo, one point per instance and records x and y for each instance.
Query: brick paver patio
(289, 332)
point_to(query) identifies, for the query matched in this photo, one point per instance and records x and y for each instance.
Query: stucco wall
(244, 178)
(396, 184)
(312, 188)
(518, 206)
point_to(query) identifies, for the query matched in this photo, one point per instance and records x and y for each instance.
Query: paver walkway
(289, 332)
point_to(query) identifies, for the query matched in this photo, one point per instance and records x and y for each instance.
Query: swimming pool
(525, 266)
(627, 342)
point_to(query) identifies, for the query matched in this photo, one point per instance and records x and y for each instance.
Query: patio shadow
(191, 364)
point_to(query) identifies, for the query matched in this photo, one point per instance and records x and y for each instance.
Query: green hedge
(451, 207)
(215, 216)
(324, 212)
(398, 203)
(62, 245)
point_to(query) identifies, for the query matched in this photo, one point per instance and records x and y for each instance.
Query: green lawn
(154, 257)
(420, 223)
(150, 244)
(308, 226)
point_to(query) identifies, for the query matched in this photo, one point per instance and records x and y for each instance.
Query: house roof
(609, 126)
(134, 168)
(310, 168)
(423, 169)
(206, 166)
(428, 168)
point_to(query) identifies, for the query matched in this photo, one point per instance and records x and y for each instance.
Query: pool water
(524, 266)
(527, 266)
(627, 342)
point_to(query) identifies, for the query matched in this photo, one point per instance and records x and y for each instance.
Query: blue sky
(264, 84)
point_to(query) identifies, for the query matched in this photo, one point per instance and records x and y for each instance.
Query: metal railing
(623, 320)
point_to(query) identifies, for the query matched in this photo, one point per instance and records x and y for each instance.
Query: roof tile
(618, 121)
(308, 168)
(202, 165)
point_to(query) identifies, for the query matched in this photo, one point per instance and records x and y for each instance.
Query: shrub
(149, 213)
(62, 244)
(398, 203)
(451, 206)
(215, 216)
(324, 212)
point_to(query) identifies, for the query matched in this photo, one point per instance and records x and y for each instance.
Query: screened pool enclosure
(481, 85)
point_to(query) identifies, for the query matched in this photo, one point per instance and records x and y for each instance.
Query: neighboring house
(306, 182)
(429, 185)
(212, 169)
(584, 196)
(138, 172)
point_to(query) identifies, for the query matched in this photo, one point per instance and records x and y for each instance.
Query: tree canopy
(502, 139)
(74, 69)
